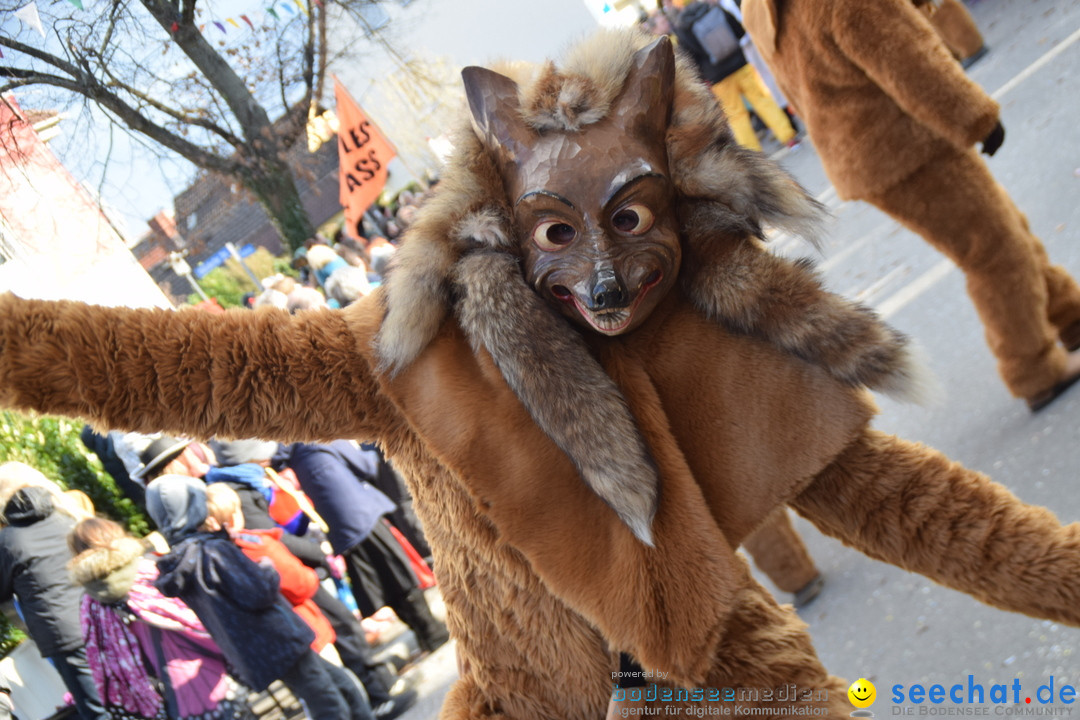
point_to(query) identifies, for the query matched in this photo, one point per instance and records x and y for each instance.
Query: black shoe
(805, 595)
(413, 610)
(974, 57)
(1070, 337)
(1040, 400)
(396, 705)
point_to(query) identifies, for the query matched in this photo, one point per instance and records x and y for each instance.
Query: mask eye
(633, 219)
(553, 235)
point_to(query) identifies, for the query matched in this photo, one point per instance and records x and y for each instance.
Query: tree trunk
(275, 189)
(262, 153)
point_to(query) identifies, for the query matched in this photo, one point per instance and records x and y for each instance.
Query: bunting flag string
(28, 14)
(254, 18)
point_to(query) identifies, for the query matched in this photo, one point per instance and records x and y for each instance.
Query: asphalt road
(873, 620)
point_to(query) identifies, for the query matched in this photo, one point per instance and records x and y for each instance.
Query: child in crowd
(240, 603)
(236, 500)
(132, 630)
(298, 581)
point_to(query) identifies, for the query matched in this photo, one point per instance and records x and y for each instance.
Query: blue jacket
(335, 478)
(240, 604)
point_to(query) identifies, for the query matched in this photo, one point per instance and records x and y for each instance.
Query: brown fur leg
(465, 702)
(974, 222)
(909, 505)
(766, 647)
(957, 28)
(765, 661)
(1063, 293)
(779, 552)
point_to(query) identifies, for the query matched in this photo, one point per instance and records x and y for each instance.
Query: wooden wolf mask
(578, 196)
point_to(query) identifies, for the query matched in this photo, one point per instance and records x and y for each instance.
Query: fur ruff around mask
(463, 254)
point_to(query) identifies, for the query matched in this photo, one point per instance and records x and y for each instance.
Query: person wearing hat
(240, 604)
(173, 456)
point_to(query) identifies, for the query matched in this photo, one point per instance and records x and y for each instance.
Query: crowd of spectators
(264, 561)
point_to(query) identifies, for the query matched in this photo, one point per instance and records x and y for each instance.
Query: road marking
(1038, 64)
(898, 300)
(851, 248)
(868, 295)
(905, 295)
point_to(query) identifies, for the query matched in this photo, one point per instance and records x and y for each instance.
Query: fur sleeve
(895, 45)
(911, 506)
(244, 374)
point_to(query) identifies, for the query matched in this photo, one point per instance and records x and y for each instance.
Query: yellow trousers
(746, 82)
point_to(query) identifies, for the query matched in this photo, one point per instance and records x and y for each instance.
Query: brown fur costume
(957, 28)
(895, 119)
(742, 404)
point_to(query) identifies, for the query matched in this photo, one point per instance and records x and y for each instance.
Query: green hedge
(52, 445)
(229, 282)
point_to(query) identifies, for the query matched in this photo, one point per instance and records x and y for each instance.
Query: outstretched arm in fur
(909, 505)
(243, 374)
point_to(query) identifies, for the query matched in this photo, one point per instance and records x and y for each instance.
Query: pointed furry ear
(496, 111)
(644, 105)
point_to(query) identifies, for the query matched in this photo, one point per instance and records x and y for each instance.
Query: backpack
(714, 32)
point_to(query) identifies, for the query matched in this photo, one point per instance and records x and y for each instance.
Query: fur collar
(107, 573)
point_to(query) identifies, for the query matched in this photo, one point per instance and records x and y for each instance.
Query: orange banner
(363, 153)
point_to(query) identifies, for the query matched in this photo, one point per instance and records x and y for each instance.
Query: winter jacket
(335, 478)
(255, 507)
(879, 91)
(240, 604)
(33, 567)
(711, 72)
(298, 582)
(134, 633)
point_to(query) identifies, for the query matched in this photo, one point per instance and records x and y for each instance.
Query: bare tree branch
(177, 115)
(130, 117)
(210, 102)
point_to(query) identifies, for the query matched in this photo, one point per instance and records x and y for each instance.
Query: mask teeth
(609, 320)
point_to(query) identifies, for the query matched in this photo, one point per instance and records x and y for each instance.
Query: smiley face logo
(862, 693)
